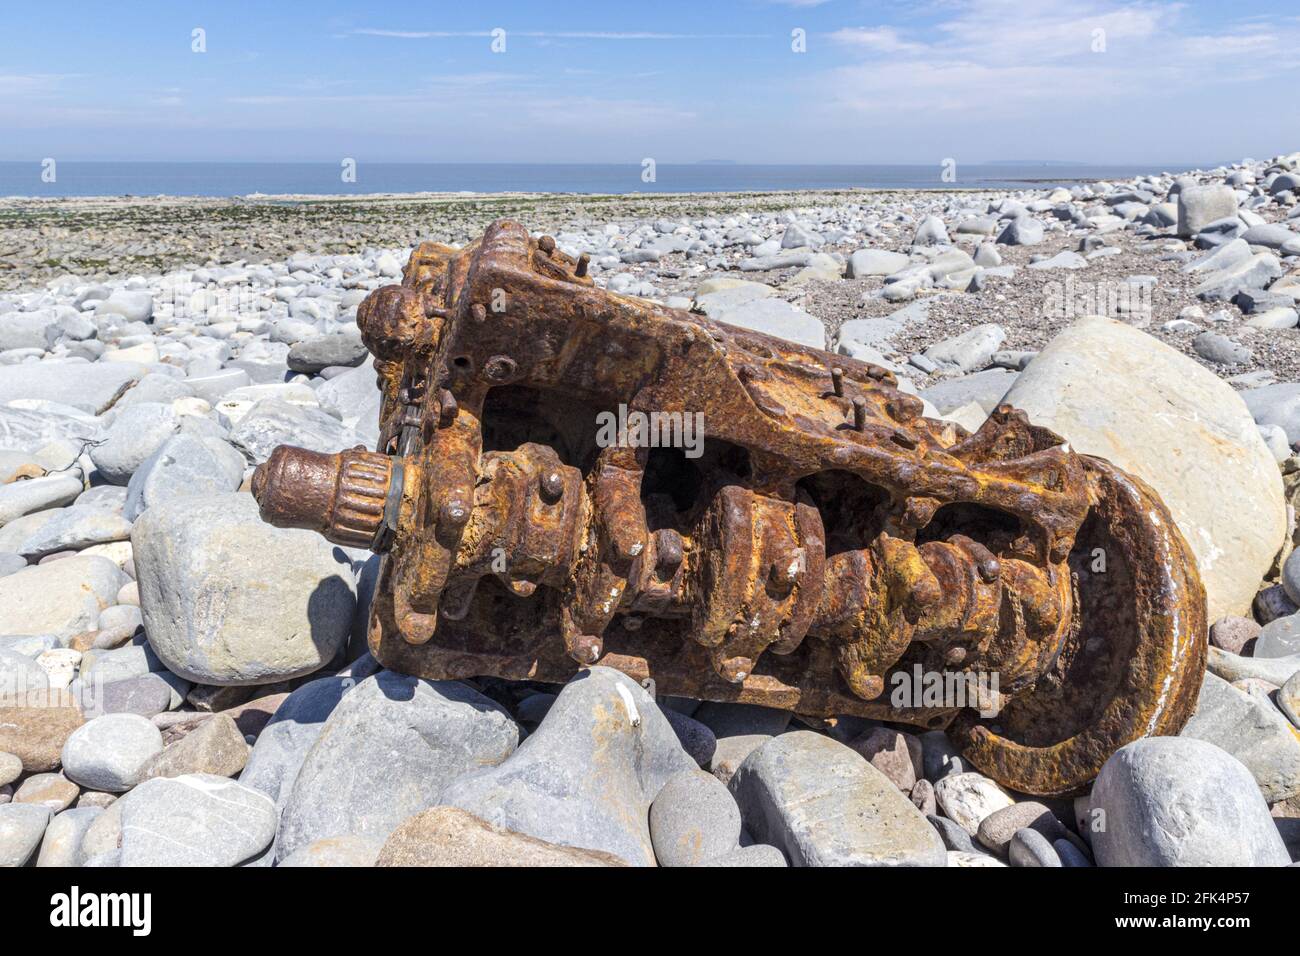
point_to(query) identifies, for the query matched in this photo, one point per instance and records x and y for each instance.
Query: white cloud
(879, 39)
(1003, 57)
(555, 34)
(33, 84)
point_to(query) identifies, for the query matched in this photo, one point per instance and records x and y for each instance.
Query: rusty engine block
(821, 547)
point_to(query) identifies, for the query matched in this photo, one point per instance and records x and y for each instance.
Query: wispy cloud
(554, 34)
(33, 84)
(1006, 57)
(882, 39)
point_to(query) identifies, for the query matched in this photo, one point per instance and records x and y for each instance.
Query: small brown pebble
(1233, 634)
(923, 797)
(52, 790)
(96, 798)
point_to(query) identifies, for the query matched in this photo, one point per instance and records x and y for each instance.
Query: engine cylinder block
(567, 476)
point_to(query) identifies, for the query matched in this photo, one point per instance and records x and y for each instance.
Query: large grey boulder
(322, 351)
(229, 599)
(693, 819)
(1175, 801)
(1249, 727)
(29, 430)
(390, 748)
(1270, 235)
(284, 742)
(587, 776)
(21, 828)
(135, 434)
(355, 400)
(185, 464)
(1252, 275)
(89, 386)
(1278, 405)
(194, 820)
(931, 232)
(63, 529)
(968, 351)
(1113, 391)
(1198, 206)
(875, 262)
(1022, 231)
(26, 330)
(985, 388)
(61, 845)
(132, 305)
(109, 753)
(19, 498)
(722, 294)
(273, 422)
(778, 318)
(61, 598)
(823, 805)
(1281, 637)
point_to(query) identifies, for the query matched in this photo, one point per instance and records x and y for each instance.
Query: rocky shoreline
(182, 684)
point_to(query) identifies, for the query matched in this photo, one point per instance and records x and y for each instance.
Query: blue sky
(579, 81)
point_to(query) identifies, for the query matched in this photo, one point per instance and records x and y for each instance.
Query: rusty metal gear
(566, 476)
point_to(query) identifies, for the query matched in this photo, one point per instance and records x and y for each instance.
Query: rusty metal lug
(567, 476)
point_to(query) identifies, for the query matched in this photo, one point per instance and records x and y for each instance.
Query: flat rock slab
(449, 836)
(389, 749)
(1250, 728)
(283, 743)
(780, 319)
(21, 827)
(61, 598)
(823, 805)
(1113, 391)
(89, 386)
(194, 820)
(587, 776)
(34, 727)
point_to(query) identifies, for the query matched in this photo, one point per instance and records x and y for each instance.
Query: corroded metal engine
(567, 477)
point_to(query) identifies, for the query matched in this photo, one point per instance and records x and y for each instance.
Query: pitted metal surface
(567, 476)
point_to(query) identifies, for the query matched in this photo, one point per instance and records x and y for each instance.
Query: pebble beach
(182, 684)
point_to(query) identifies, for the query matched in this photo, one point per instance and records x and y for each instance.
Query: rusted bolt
(499, 369)
(735, 669)
(668, 552)
(859, 414)
(478, 311)
(453, 513)
(552, 487)
(547, 245)
(837, 381)
(580, 270)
